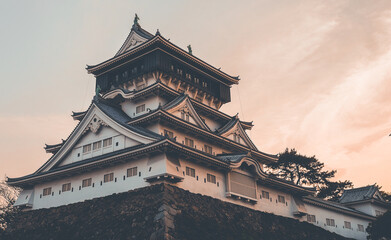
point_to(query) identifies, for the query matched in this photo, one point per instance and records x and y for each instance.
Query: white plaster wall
(272, 205)
(200, 185)
(322, 213)
(152, 103)
(368, 208)
(118, 142)
(159, 164)
(147, 167)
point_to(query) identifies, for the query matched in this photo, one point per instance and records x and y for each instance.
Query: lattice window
(86, 182)
(190, 172)
(108, 177)
(131, 172)
(66, 187)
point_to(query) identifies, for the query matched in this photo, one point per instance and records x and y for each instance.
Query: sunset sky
(315, 75)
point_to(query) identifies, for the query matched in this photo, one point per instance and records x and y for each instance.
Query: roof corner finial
(136, 18)
(189, 49)
(157, 32)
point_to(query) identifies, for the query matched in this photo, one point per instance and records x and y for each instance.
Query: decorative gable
(233, 130)
(94, 125)
(136, 37)
(182, 107)
(99, 117)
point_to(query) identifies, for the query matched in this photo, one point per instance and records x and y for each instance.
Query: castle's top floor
(143, 53)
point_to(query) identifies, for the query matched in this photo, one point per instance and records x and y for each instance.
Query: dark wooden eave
(78, 115)
(160, 114)
(163, 146)
(54, 147)
(160, 43)
(159, 88)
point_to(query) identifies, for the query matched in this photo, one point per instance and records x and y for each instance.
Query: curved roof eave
(159, 38)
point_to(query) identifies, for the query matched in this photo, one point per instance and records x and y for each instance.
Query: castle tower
(155, 117)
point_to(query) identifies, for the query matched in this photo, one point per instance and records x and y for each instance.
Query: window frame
(109, 177)
(190, 172)
(281, 199)
(265, 194)
(87, 182)
(87, 148)
(47, 191)
(311, 218)
(98, 144)
(131, 172)
(140, 108)
(66, 187)
(330, 222)
(110, 140)
(211, 178)
(347, 224)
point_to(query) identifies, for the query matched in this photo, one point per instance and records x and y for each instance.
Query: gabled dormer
(182, 107)
(233, 130)
(365, 199)
(102, 130)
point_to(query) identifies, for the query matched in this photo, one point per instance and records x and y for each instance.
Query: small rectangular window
(189, 142)
(131, 172)
(86, 149)
(330, 222)
(211, 178)
(207, 149)
(108, 177)
(96, 146)
(86, 182)
(190, 172)
(47, 191)
(168, 134)
(281, 199)
(107, 142)
(360, 227)
(347, 225)
(66, 187)
(311, 218)
(265, 194)
(140, 108)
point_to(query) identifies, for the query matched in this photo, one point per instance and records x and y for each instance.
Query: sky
(315, 75)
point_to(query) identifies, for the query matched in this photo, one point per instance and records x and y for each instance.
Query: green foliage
(385, 195)
(380, 228)
(308, 171)
(333, 190)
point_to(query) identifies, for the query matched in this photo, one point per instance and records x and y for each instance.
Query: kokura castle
(155, 117)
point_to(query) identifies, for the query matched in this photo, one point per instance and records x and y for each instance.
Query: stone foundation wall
(158, 212)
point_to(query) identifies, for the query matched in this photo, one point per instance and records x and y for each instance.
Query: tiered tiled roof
(359, 194)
